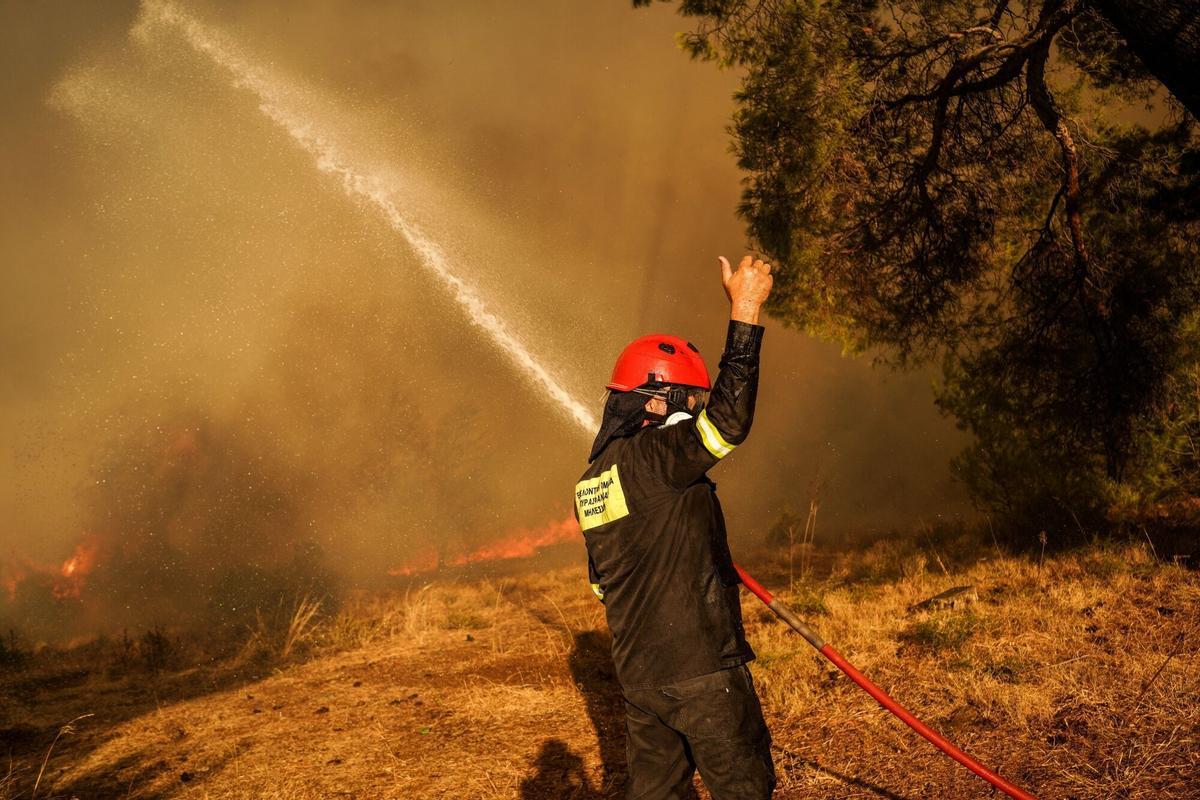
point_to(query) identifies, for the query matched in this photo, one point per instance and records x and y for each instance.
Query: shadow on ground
(560, 776)
(128, 778)
(591, 668)
(44, 699)
(850, 780)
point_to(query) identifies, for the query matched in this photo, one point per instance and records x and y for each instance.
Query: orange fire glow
(76, 568)
(64, 581)
(519, 544)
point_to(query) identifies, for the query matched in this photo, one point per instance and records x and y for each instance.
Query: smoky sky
(202, 334)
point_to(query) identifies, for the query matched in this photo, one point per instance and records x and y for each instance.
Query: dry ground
(1076, 680)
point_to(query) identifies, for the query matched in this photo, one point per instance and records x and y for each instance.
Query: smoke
(231, 375)
(322, 145)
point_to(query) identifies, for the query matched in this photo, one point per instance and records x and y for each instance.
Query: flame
(65, 581)
(77, 567)
(519, 544)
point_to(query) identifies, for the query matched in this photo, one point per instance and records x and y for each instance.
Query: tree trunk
(1165, 35)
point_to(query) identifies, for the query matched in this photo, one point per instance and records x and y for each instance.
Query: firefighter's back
(660, 561)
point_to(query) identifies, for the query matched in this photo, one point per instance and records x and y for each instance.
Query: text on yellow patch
(600, 499)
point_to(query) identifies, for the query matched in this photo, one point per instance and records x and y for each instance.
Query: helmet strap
(675, 396)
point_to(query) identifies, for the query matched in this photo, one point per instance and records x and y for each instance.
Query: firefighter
(659, 560)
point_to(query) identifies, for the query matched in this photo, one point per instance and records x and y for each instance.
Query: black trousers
(713, 723)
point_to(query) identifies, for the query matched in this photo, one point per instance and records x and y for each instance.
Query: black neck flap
(624, 414)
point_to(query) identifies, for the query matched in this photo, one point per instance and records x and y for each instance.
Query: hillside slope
(1076, 680)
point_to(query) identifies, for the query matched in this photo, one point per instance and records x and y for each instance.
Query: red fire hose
(826, 649)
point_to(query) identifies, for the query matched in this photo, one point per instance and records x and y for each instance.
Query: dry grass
(1077, 680)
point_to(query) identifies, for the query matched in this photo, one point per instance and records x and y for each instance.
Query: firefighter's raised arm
(679, 454)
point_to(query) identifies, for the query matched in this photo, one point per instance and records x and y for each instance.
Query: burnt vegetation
(1009, 190)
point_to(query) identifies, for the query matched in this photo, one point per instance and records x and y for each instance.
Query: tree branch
(1056, 124)
(1019, 52)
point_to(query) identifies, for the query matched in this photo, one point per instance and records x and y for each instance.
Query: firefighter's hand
(747, 288)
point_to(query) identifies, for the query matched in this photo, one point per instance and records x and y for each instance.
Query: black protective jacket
(657, 549)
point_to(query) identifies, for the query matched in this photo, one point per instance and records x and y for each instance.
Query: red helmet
(659, 358)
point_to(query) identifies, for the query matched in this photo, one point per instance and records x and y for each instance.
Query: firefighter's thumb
(726, 274)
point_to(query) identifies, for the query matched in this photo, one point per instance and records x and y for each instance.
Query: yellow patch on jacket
(600, 499)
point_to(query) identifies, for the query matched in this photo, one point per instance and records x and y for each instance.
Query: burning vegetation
(326, 473)
(196, 524)
(186, 526)
(518, 544)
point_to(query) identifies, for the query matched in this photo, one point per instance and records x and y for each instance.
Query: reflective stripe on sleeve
(714, 442)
